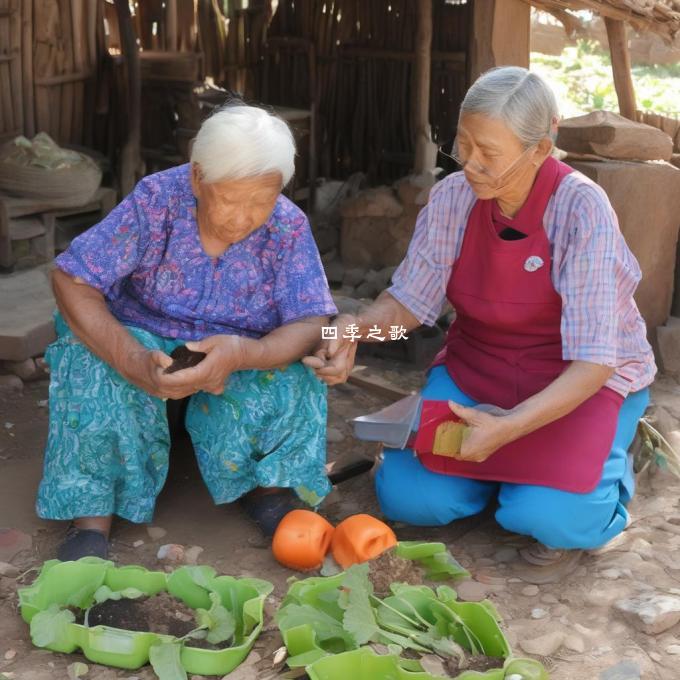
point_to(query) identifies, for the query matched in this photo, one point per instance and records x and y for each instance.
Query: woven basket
(73, 180)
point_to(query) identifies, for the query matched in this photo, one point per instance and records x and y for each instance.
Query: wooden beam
(499, 36)
(623, 80)
(424, 157)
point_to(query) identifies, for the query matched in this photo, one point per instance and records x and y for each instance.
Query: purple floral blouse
(147, 259)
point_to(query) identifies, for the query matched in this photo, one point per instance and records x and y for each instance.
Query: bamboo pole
(79, 61)
(623, 80)
(27, 66)
(421, 91)
(130, 157)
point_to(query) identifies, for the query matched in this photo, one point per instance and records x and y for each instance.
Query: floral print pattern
(147, 259)
(108, 442)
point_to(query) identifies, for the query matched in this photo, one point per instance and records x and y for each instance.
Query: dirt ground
(577, 611)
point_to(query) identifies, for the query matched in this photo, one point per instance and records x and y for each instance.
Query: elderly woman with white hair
(209, 255)
(547, 360)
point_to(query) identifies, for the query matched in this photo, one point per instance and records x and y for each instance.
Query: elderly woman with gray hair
(547, 360)
(209, 255)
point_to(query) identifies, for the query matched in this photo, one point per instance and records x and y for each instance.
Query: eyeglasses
(480, 169)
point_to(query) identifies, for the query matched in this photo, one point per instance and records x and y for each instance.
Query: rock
(673, 649)
(538, 613)
(471, 591)
(490, 579)
(575, 643)
(609, 135)
(334, 435)
(642, 548)
(192, 554)
(26, 369)
(10, 654)
(138, 544)
(367, 289)
(12, 542)
(335, 272)
(8, 570)
(651, 612)
(505, 555)
(549, 598)
(354, 276)
(668, 340)
(624, 670)
(10, 384)
(376, 202)
(544, 645)
(26, 309)
(637, 190)
(156, 533)
(613, 574)
(530, 591)
(172, 553)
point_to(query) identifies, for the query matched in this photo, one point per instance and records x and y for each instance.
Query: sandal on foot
(268, 509)
(545, 565)
(83, 543)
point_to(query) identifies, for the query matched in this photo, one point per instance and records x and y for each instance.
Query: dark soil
(159, 614)
(204, 644)
(388, 568)
(478, 662)
(184, 358)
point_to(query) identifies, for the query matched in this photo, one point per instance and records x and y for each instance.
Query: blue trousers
(409, 492)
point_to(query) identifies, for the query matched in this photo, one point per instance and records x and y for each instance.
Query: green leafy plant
(331, 615)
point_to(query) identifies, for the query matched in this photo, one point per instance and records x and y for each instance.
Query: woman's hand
(224, 355)
(490, 428)
(333, 360)
(146, 369)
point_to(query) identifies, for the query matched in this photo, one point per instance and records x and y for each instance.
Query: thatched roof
(660, 16)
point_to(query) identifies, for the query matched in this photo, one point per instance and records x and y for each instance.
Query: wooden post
(499, 36)
(131, 165)
(421, 92)
(623, 80)
(171, 25)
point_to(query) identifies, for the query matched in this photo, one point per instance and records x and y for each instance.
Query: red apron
(505, 346)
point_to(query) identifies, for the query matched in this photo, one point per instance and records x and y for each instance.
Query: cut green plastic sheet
(365, 664)
(61, 585)
(310, 619)
(437, 561)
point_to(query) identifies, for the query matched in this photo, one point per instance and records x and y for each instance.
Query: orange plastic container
(302, 539)
(360, 538)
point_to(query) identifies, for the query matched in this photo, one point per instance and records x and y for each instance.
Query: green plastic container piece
(365, 664)
(304, 649)
(74, 584)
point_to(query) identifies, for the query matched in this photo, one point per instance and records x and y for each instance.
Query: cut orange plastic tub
(301, 540)
(360, 538)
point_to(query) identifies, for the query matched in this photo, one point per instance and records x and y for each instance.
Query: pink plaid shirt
(592, 270)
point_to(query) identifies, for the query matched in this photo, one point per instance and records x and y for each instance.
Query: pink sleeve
(420, 282)
(596, 270)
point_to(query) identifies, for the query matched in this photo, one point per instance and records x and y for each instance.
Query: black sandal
(83, 543)
(268, 509)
